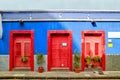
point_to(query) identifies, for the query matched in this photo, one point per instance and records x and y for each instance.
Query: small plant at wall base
(24, 59)
(88, 61)
(40, 60)
(76, 62)
(97, 61)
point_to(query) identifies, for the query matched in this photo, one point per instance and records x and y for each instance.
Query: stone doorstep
(60, 70)
(21, 69)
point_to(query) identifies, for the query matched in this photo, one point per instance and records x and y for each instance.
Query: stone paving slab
(58, 75)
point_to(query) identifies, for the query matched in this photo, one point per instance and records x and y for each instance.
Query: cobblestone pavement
(28, 75)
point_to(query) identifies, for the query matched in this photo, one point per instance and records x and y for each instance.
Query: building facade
(57, 34)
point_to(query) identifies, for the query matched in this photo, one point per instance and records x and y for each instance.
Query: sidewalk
(59, 75)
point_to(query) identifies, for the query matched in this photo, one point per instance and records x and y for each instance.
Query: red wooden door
(93, 44)
(60, 51)
(22, 47)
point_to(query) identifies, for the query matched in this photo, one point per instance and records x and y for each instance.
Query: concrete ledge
(59, 75)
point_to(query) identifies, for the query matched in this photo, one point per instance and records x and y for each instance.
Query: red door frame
(17, 32)
(103, 42)
(49, 46)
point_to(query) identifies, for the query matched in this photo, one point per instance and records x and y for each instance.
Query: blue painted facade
(41, 28)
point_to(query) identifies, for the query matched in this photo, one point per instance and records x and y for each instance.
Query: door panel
(87, 49)
(18, 49)
(27, 49)
(60, 51)
(17, 62)
(22, 47)
(17, 55)
(96, 48)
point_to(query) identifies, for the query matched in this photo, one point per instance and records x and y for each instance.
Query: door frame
(18, 32)
(83, 47)
(50, 33)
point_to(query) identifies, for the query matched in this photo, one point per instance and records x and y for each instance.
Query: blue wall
(41, 29)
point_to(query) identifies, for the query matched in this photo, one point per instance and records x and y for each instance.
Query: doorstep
(21, 69)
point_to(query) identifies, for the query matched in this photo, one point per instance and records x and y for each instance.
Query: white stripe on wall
(113, 34)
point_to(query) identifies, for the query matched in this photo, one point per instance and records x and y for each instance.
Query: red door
(93, 44)
(22, 47)
(60, 51)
